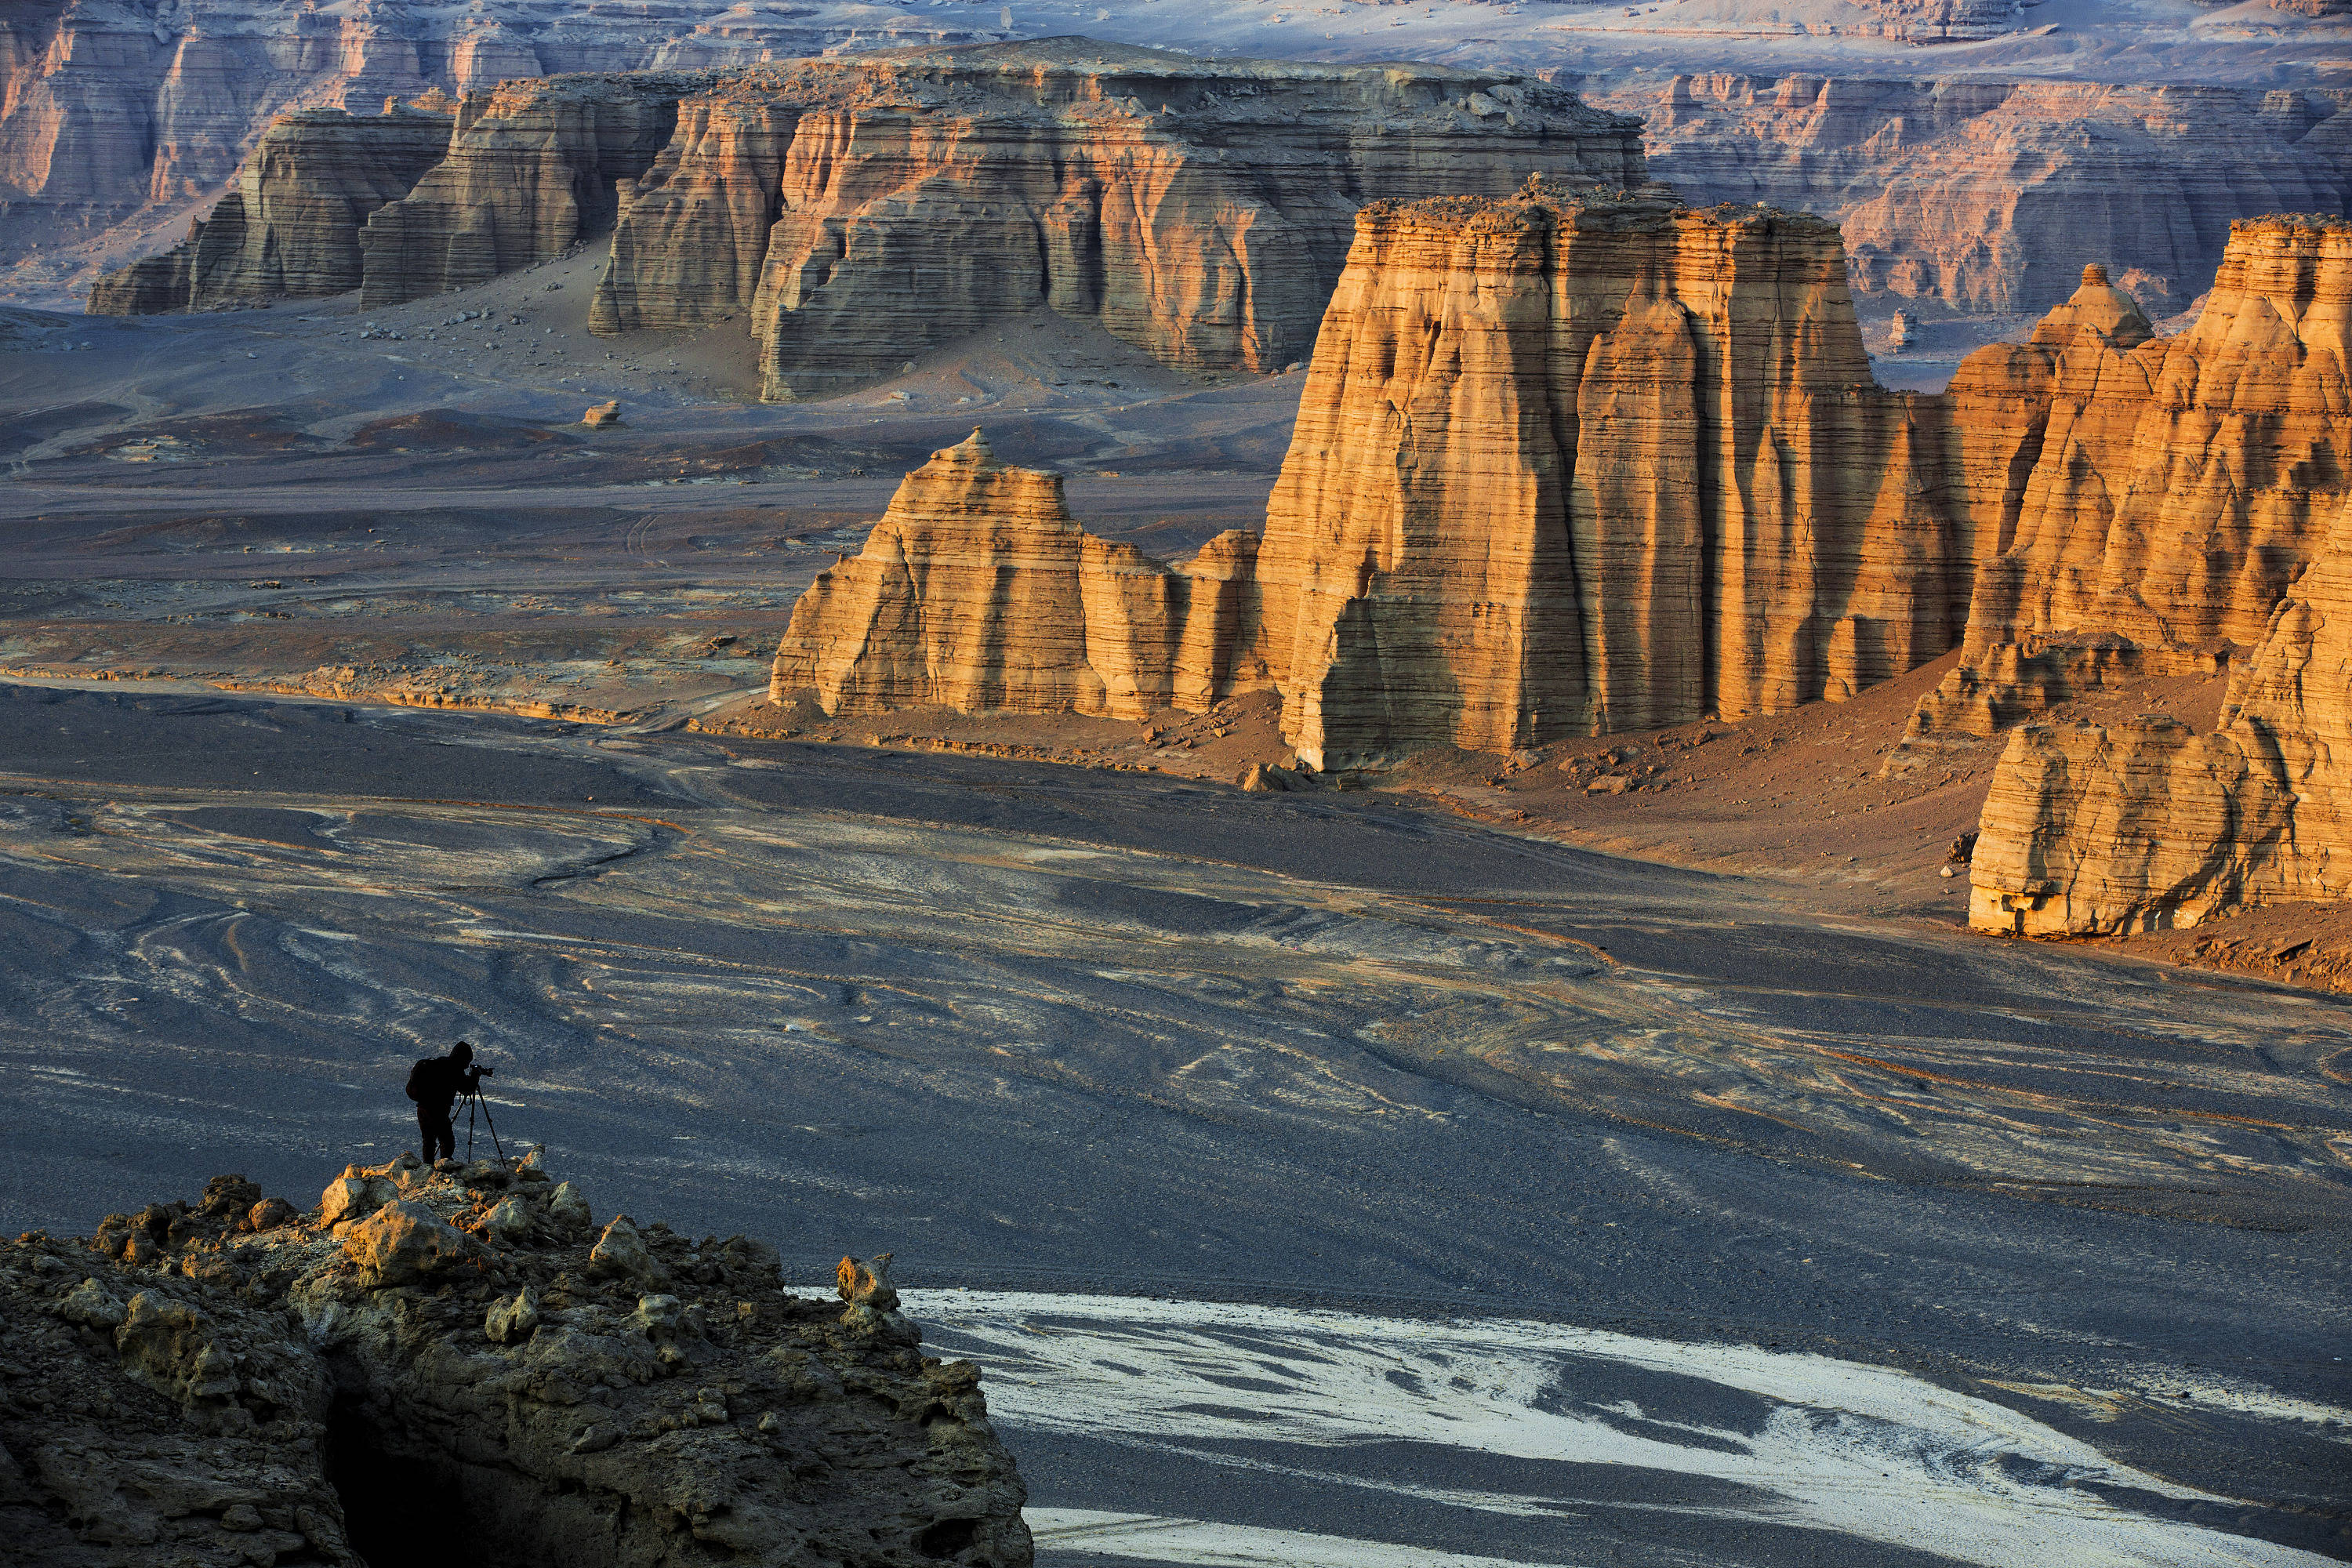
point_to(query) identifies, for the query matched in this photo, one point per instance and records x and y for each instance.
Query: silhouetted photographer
(436, 1084)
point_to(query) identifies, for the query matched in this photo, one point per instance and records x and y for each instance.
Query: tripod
(475, 1102)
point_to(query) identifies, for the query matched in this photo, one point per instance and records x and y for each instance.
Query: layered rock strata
(109, 108)
(531, 168)
(185, 1385)
(2149, 825)
(1565, 466)
(977, 591)
(2145, 502)
(1562, 464)
(290, 228)
(1988, 195)
(1198, 208)
(2173, 512)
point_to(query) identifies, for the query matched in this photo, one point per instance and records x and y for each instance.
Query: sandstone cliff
(1989, 195)
(2145, 502)
(531, 167)
(1568, 464)
(184, 1385)
(1564, 463)
(290, 227)
(2149, 825)
(977, 590)
(1198, 208)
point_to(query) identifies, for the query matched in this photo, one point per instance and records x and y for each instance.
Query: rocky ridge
(1987, 194)
(855, 211)
(182, 1385)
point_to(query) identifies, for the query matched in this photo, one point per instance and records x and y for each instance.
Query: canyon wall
(290, 227)
(1989, 195)
(1198, 208)
(531, 167)
(110, 108)
(1565, 466)
(1564, 463)
(2180, 509)
(237, 1382)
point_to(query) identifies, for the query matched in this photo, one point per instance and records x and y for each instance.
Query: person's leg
(425, 1133)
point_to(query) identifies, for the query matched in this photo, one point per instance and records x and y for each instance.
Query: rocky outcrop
(2171, 514)
(107, 110)
(977, 590)
(231, 1383)
(2149, 825)
(290, 228)
(1988, 195)
(531, 168)
(2145, 502)
(1565, 466)
(1197, 208)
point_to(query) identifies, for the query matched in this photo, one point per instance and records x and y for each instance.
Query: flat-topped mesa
(533, 168)
(2148, 502)
(977, 591)
(1568, 464)
(864, 208)
(289, 229)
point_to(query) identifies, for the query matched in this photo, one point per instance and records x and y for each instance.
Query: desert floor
(1264, 1147)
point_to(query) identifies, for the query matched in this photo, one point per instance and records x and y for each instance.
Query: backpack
(418, 1077)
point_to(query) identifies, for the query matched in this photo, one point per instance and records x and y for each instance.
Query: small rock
(621, 1252)
(568, 1205)
(88, 1304)
(603, 413)
(241, 1517)
(402, 1243)
(658, 1318)
(269, 1214)
(229, 1195)
(513, 1318)
(1611, 784)
(867, 1284)
(510, 1219)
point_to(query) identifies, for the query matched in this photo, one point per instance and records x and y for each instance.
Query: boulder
(867, 1284)
(404, 1243)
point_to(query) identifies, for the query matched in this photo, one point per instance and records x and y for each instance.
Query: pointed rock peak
(2100, 307)
(973, 450)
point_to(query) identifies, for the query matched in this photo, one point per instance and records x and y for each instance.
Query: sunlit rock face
(2146, 502)
(2177, 514)
(977, 591)
(1989, 195)
(1200, 209)
(290, 227)
(1566, 465)
(234, 1382)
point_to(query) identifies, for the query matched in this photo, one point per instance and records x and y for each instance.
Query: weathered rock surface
(2145, 502)
(108, 107)
(1197, 208)
(532, 167)
(2150, 825)
(181, 1387)
(290, 228)
(1989, 195)
(1563, 464)
(1566, 465)
(978, 590)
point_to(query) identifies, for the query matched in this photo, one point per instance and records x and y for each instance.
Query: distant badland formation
(1573, 457)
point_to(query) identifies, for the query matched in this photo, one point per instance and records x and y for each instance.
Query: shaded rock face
(531, 168)
(107, 109)
(1198, 208)
(1566, 465)
(1988, 195)
(977, 591)
(290, 228)
(183, 1384)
